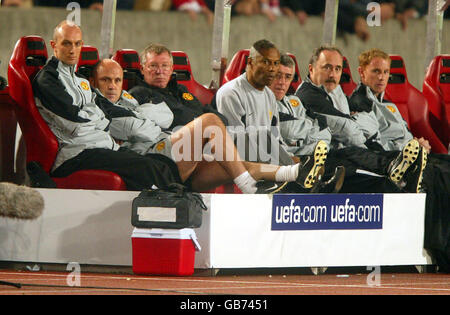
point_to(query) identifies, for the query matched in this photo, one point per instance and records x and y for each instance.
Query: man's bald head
(67, 42)
(105, 64)
(63, 25)
(107, 77)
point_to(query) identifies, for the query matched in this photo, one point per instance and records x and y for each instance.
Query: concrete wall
(136, 29)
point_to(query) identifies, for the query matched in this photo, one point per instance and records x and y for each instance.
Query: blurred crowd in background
(351, 18)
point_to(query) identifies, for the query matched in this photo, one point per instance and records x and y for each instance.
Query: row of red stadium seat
(30, 55)
(412, 104)
(430, 122)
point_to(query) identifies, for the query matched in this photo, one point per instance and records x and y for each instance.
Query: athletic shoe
(403, 161)
(333, 185)
(415, 175)
(312, 166)
(268, 187)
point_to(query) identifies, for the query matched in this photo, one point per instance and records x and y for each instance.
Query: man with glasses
(299, 131)
(160, 84)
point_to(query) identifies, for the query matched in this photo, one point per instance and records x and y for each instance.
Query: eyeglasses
(286, 76)
(165, 67)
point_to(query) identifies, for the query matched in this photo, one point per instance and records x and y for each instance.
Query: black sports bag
(172, 208)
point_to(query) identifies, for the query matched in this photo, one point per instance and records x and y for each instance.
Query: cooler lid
(181, 234)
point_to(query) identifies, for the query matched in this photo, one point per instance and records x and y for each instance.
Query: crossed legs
(221, 164)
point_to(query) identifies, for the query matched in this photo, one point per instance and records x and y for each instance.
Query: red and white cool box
(164, 251)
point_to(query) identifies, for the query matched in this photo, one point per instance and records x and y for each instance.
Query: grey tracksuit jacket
(299, 131)
(139, 126)
(67, 104)
(393, 129)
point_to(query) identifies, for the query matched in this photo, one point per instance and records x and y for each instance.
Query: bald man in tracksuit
(67, 104)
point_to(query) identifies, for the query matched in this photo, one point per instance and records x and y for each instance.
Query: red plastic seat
(183, 71)
(436, 89)
(411, 103)
(346, 82)
(297, 80)
(29, 56)
(236, 66)
(130, 62)
(238, 63)
(88, 59)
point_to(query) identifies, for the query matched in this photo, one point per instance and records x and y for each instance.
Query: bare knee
(210, 119)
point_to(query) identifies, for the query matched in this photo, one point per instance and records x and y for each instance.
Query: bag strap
(179, 189)
(197, 197)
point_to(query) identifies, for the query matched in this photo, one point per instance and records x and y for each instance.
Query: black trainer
(403, 161)
(268, 187)
(333, 185)
(312, 166)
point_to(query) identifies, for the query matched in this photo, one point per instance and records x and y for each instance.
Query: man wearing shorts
(146, 128)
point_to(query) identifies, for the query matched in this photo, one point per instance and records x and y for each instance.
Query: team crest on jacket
(127, 95)
(160, 146)
(294, 103)
(391, 108)
(188, 96)
(84, 85)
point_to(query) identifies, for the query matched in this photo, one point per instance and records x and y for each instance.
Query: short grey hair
(157, 49)
(287, 61)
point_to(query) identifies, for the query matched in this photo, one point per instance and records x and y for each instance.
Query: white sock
(287, 173)
(246, 183)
